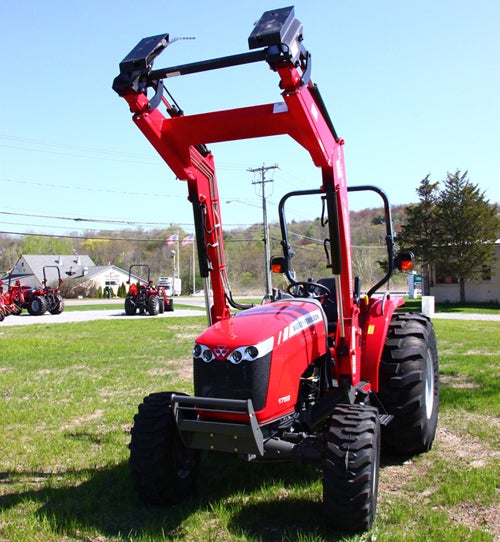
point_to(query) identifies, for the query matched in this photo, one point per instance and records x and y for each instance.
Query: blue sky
(412, 87)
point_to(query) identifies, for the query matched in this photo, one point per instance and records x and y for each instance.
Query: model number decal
(283, 400)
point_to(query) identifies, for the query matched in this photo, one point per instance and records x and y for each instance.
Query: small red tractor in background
(10, 300)
(144, 296)
(325, 371)
(37, 301)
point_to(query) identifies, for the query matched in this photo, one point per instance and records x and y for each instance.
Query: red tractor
(10, 300)
(325, 371)
(144, 296)
(38, 301)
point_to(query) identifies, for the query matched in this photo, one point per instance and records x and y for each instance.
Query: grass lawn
(410, 305)
(68, 394)
(120, 306)
(475, 308)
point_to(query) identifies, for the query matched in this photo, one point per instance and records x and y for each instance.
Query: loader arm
(181, 141)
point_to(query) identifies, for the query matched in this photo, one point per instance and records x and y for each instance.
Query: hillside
(244, 249)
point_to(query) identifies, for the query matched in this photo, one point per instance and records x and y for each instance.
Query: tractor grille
(224, 380)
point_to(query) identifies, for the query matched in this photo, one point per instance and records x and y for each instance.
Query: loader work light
(276, 27)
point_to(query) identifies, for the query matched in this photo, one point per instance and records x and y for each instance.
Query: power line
(95, 220)
(82, 237)
(105, 154)
(88, 188)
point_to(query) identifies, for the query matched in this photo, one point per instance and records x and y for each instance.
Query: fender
(376, 315)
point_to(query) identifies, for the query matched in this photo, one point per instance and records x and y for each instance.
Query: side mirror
(404, 261)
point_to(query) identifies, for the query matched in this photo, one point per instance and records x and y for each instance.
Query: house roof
(30, 267)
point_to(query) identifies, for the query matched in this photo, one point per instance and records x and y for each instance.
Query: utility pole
(267, 247)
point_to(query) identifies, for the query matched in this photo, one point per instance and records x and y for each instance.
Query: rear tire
(409, 384)
(130, 308)
(58, 304)
(153, 305)
(164, 471)
(351, 468)
(37, 306)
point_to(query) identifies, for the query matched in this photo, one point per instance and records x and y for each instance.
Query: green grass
(475, 308)
(120, 306)
(96, 306)
(410, 305)
(68, 394)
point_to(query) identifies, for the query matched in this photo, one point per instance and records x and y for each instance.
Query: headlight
(251, 352)
(200, 351)
(242, 353)
(235, 356)
(207, 355)
(197, 350)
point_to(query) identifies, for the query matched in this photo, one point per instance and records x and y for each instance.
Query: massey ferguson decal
(220, 352)
(300, 324)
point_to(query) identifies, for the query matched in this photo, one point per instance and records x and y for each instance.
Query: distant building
(109, 276)
(446, 289)
(30, 268)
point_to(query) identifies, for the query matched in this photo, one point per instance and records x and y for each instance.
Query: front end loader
(326, 370)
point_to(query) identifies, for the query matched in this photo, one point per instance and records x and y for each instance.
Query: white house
(109, 276)
(486, 290)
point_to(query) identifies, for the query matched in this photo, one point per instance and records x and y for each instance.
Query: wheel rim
(429, 385)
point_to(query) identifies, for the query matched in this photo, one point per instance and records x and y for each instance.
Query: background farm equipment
(10, 300)
(38, 301)
(144, 296)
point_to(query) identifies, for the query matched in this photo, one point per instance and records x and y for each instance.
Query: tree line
(452, 229)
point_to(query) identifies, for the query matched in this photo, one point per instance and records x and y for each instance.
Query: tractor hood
(261, 354)
(265, 327)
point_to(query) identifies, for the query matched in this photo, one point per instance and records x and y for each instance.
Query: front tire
(37, 306)
(351, 468)
(164, 471)
(409, 384)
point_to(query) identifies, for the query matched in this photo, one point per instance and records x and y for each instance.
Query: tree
(454, 229)
(467, 228)
(419, 233)
(38, 244)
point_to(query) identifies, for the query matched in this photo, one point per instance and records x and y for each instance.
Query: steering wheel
(308, 289)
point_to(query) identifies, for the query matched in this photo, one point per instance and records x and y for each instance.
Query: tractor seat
(330, 304)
